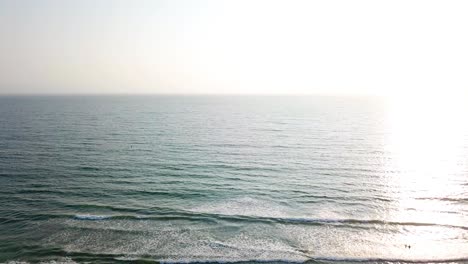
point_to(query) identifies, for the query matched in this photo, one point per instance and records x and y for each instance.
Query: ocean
(232, 179)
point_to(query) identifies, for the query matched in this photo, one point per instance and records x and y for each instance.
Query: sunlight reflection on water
(426, 140)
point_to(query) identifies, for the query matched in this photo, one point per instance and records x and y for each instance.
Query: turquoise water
(106, 179)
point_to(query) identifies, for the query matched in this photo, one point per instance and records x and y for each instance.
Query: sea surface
(190, 179)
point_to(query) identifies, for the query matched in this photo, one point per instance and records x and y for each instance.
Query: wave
(88, 168)
(321, 260)
(92, 217)
(166, 214)
(445, 199)
(58, 261)
(183, 261)
(191, 216)
(389, 260)
(126, 259)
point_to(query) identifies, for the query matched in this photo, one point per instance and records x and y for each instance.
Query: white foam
(189, 261)
(245, 206)
(61, 261)
(91, 217)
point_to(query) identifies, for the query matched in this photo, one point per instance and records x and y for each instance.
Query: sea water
(104, 179)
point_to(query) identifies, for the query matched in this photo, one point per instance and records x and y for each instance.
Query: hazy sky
(305, 47)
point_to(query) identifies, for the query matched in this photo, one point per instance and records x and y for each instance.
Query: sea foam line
(240, 218)
(68, 260)
(92, 217)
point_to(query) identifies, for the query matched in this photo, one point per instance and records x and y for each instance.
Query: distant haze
(234, 47)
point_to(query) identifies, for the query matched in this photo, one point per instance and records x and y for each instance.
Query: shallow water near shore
(182, 179)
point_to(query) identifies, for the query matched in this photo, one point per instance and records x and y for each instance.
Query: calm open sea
(106, 179)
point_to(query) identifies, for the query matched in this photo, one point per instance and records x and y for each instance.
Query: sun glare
(425, 140)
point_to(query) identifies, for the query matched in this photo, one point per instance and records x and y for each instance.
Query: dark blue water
(104, 179)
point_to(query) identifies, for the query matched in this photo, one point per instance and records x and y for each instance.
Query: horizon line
(191, 94)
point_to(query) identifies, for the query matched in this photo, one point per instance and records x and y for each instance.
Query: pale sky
(218, 47)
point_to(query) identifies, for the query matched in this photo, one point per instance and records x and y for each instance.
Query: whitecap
(91, 217)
